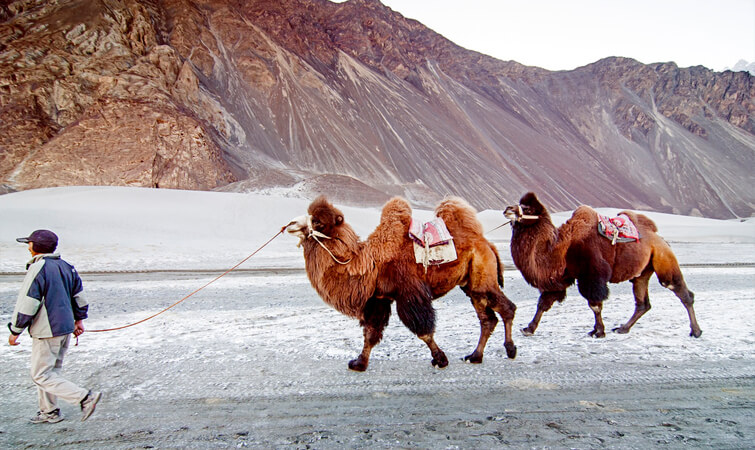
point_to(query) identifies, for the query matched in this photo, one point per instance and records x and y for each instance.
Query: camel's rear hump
(642, 222)
(460, 217)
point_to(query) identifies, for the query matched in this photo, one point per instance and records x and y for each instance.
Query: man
(50, 305)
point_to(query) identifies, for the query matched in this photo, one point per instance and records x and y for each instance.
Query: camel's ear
(339, 220)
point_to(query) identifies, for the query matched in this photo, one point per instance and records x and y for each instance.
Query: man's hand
(79, 328)
(12, 339)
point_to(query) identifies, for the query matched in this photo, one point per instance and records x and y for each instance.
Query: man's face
(31, 249)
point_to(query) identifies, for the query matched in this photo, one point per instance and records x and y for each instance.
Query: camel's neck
(534, 249)
(346, 287)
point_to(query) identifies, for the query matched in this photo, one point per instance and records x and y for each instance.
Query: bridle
(519, 216)
(317, 235)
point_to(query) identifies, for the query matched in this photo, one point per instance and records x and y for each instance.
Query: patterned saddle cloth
(618, 229)
(433, 244)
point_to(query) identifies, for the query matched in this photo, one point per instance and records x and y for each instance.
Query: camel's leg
(641, 300)
(487, 298)
(599, 330)
(593, 285)
(506, 308)
(544, 303)
(439, 358)
(688, 299)
(488, 322)
(418, 314)
(670, 277)
(376, 315)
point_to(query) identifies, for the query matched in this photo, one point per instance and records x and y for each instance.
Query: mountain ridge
(354, 99)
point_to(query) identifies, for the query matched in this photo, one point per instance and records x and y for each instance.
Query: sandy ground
(257, 360)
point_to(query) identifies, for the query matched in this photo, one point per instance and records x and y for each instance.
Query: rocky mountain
(355, 101)
(743, 66)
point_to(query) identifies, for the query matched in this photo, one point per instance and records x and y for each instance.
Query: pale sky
(565, 34)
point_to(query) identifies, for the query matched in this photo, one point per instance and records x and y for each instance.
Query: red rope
(195, 291)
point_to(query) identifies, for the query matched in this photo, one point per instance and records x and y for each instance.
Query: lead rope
(193, 292)
(499, 226)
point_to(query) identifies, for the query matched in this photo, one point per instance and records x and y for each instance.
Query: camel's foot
(474, 358)
(597, 333)
(528, 331)
(439, 360)
(510, 349)
(696, 333)
(621, 330)
(359, 364)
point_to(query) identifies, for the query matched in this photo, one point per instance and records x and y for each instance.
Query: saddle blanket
(433, 244)
(618, 229)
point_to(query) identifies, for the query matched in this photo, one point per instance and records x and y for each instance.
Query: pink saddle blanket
(433, 244)
(430, 233)
(618, 229)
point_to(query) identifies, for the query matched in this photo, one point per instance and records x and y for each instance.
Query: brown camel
(552, 259)
(362, 278)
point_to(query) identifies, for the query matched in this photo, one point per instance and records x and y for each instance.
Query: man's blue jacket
(50, 299)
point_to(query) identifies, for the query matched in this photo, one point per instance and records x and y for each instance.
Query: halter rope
(316, 234)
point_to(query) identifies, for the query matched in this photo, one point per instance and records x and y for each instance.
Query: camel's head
(321, 221)
(528, 211)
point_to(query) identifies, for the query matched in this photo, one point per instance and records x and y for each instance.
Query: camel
(552, 259)
(361, 279)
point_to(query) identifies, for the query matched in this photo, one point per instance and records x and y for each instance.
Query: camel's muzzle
(511, 213)
(515, 214)
(299, 227)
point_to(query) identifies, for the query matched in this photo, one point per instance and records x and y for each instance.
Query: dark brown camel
(362, 278)
(552, 259)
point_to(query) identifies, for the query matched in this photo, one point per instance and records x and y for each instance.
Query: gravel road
(257, 360)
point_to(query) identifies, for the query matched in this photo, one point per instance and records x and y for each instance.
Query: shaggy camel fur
(362, 278)
(551, 260)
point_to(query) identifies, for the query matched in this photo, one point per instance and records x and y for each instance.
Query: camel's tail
(499, 265)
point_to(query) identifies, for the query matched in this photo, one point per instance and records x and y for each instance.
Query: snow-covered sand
(132, 229)
(258, 360)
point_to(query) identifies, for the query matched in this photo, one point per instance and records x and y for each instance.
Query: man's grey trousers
(46, 361)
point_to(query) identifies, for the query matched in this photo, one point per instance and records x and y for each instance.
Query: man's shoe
(89, 403)
(50, 417)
